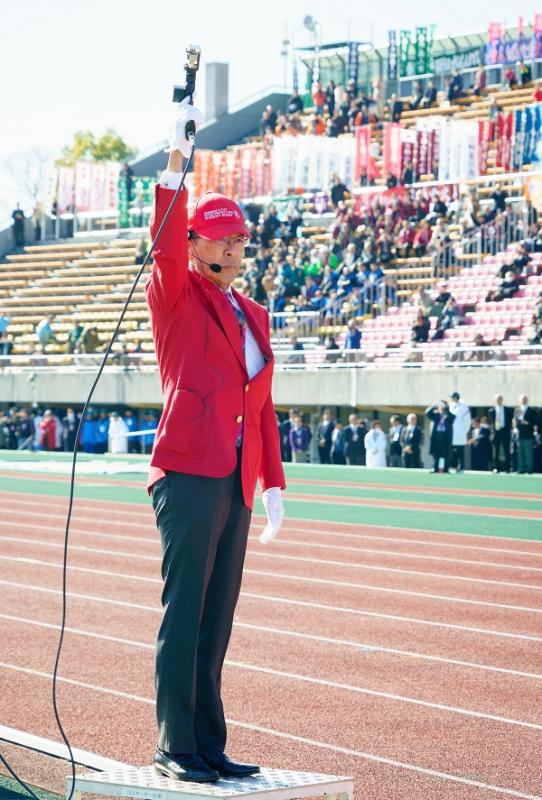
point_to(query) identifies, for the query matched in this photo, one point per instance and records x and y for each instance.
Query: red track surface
(374, 661)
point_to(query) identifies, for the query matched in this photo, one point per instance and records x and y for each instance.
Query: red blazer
(202, 369)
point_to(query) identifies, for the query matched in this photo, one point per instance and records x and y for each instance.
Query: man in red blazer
(217, 436)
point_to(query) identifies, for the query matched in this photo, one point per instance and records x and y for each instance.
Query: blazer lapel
(224, 314)
(262, 337)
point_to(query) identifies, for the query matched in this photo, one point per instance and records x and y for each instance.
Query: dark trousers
(525, 455)
(458, 456)
(501, 440)
(324, 454)
(412, 460)
(440, 448)
(203, 527)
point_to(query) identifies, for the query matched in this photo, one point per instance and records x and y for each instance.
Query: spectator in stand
(417, 95)
(18, 218)
(441, 435)
(499, 197)
(430, 95)
(395, 108)
(525, 418)
(456, 86)
(442, 297)
(74, 334)
(5, 319)
(480, 351)
(353, 336)
(394, 437)
(447, 320)
(101, 436)
(354, 441)
(338, 444)
(48, 431)
(525, 73)
(89, 340)
(537, 93)
(420, 329)
(318, 97)
(480, 444)
(422, 238)
(493, 109)
(509, 286)
(461, 427)
(300, 438)
(411, 442)
(45, 332)
(324, 434)
(69, 430)
(295, 103)
(375, 446)
(407, 175)
(338, 191)
(330, 97)
(500, 421)
(480, 81)
(340, 97)
(117, 430)
(510, 78)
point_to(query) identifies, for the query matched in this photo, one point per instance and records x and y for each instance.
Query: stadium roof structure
(372, 60)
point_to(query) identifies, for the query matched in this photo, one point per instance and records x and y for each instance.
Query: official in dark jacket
(411, 442)
(500, 421)
(441, 434)
(354, 441)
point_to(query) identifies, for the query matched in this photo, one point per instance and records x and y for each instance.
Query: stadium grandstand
(394, 212)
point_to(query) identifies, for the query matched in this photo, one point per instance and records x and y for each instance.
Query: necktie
(241, 319)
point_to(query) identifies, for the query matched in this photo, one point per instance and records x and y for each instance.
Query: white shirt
(253, 355)
(499, 416)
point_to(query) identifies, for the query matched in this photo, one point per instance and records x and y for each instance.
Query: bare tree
(27, 171)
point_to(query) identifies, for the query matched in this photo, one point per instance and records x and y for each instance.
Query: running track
(410, 658)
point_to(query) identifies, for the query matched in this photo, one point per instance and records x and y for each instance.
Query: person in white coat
(462, 424)
(118, 440)
(376, 444)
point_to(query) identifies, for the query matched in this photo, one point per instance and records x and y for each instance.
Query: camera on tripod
(191, 66)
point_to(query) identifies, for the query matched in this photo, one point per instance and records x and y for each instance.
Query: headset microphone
(215, 267)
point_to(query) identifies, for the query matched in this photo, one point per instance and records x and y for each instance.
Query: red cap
(215, 216)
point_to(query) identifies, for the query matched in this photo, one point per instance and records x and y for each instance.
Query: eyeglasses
(228, 241)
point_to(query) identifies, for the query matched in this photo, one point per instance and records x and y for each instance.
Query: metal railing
(509, 353)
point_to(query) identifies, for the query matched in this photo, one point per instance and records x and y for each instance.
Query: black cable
(72, 481)
(19, 780)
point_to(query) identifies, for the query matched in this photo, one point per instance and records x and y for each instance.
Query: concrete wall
(401, 389)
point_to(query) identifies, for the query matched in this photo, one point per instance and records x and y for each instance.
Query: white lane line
(301, 604)
(299, 559)
(281, 540)
(362, 647)
(276, 673)
(281, 576)
(146, 510)
(290, 737)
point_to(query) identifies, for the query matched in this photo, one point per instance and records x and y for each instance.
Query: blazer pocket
(187, 427)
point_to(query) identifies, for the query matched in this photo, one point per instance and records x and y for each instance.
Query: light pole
(313, 26)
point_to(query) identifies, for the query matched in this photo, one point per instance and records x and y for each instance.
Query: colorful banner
(505, 130)
(392, 149)
(393, 56)
(353, 63)
(458, 150)
(425, 150)
(509, 51)
(65, 189)
(486, 132)
(308, 163)
(409, 139)
(466, 59)
(97, 186)
(365, 168)
(111, 188)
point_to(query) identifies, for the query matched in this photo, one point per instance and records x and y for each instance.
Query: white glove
(185, 113)
(274, 508)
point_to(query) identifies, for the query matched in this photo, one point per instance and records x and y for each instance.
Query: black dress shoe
(184, 767)
(226, 767)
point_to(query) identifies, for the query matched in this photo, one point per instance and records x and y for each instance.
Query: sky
(67, 65)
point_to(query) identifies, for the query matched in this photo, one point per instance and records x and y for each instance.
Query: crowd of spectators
(55, 430)
(501, 438)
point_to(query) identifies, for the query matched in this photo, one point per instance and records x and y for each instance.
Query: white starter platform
(268, 784)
